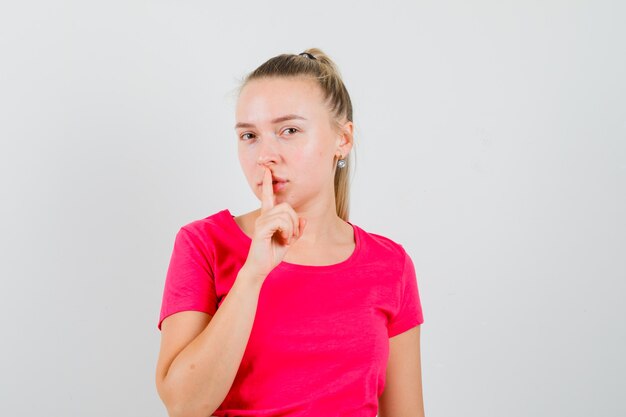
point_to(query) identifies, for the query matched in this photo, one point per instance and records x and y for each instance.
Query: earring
(341, 163)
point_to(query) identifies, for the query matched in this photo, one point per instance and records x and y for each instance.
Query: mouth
(275, 180)
(279, 186)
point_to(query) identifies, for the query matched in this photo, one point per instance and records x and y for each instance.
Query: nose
(267, 151)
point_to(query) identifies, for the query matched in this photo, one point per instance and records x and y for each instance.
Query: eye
(291, 128)
(242, 137)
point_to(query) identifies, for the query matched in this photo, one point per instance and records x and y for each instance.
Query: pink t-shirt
(319, 343)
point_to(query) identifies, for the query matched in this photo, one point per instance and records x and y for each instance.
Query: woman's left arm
(402, 396)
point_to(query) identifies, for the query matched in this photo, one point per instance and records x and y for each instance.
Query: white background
(491, 143)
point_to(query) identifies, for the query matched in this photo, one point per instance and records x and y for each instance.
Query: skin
(403, 381)
(304, 152)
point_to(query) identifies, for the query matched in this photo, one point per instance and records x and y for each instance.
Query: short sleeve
(189, 283)
(409, 312)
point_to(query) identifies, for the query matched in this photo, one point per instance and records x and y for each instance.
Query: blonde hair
(325, 72)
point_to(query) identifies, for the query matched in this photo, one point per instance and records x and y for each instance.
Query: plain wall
(490, 142)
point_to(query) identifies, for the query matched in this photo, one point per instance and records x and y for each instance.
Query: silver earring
(341, 163)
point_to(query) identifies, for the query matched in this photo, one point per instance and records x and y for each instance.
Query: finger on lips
(267, 198)
(268, 201)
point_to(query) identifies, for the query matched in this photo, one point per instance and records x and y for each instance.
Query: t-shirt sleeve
(189, 283)
(409, 312)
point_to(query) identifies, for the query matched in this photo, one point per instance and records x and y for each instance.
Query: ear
(345, 139)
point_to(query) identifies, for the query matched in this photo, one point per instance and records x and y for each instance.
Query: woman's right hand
(275, 230)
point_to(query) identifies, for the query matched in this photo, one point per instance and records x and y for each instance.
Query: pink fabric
(319, 344)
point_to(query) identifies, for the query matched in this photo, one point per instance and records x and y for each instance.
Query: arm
(200, 354)
(402, 396)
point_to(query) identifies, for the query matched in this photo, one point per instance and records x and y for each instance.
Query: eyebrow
(276, 120)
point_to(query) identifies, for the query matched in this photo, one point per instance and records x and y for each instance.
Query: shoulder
(207, 225)
(376, 245)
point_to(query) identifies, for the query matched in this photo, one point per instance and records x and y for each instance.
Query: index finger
(267, 197)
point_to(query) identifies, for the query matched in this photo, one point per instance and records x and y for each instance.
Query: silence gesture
(276, 229)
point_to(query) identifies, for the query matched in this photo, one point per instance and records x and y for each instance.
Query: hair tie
(307, 55)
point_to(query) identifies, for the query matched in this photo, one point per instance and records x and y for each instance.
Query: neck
(323, 225)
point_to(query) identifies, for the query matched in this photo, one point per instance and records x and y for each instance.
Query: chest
(325, 255)
(312, 328)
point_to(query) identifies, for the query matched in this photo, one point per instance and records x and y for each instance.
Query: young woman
(290, 309)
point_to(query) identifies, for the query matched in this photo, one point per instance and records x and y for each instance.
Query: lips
(275, 180)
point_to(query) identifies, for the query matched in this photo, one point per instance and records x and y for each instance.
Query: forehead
(264, 99)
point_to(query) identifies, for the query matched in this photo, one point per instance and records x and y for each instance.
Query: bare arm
(198, 362)
(200, 354)
(402, 396)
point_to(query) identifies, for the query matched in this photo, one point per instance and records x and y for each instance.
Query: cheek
(300, 159)
(310, 156)
(247, 164)
(306, 165)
